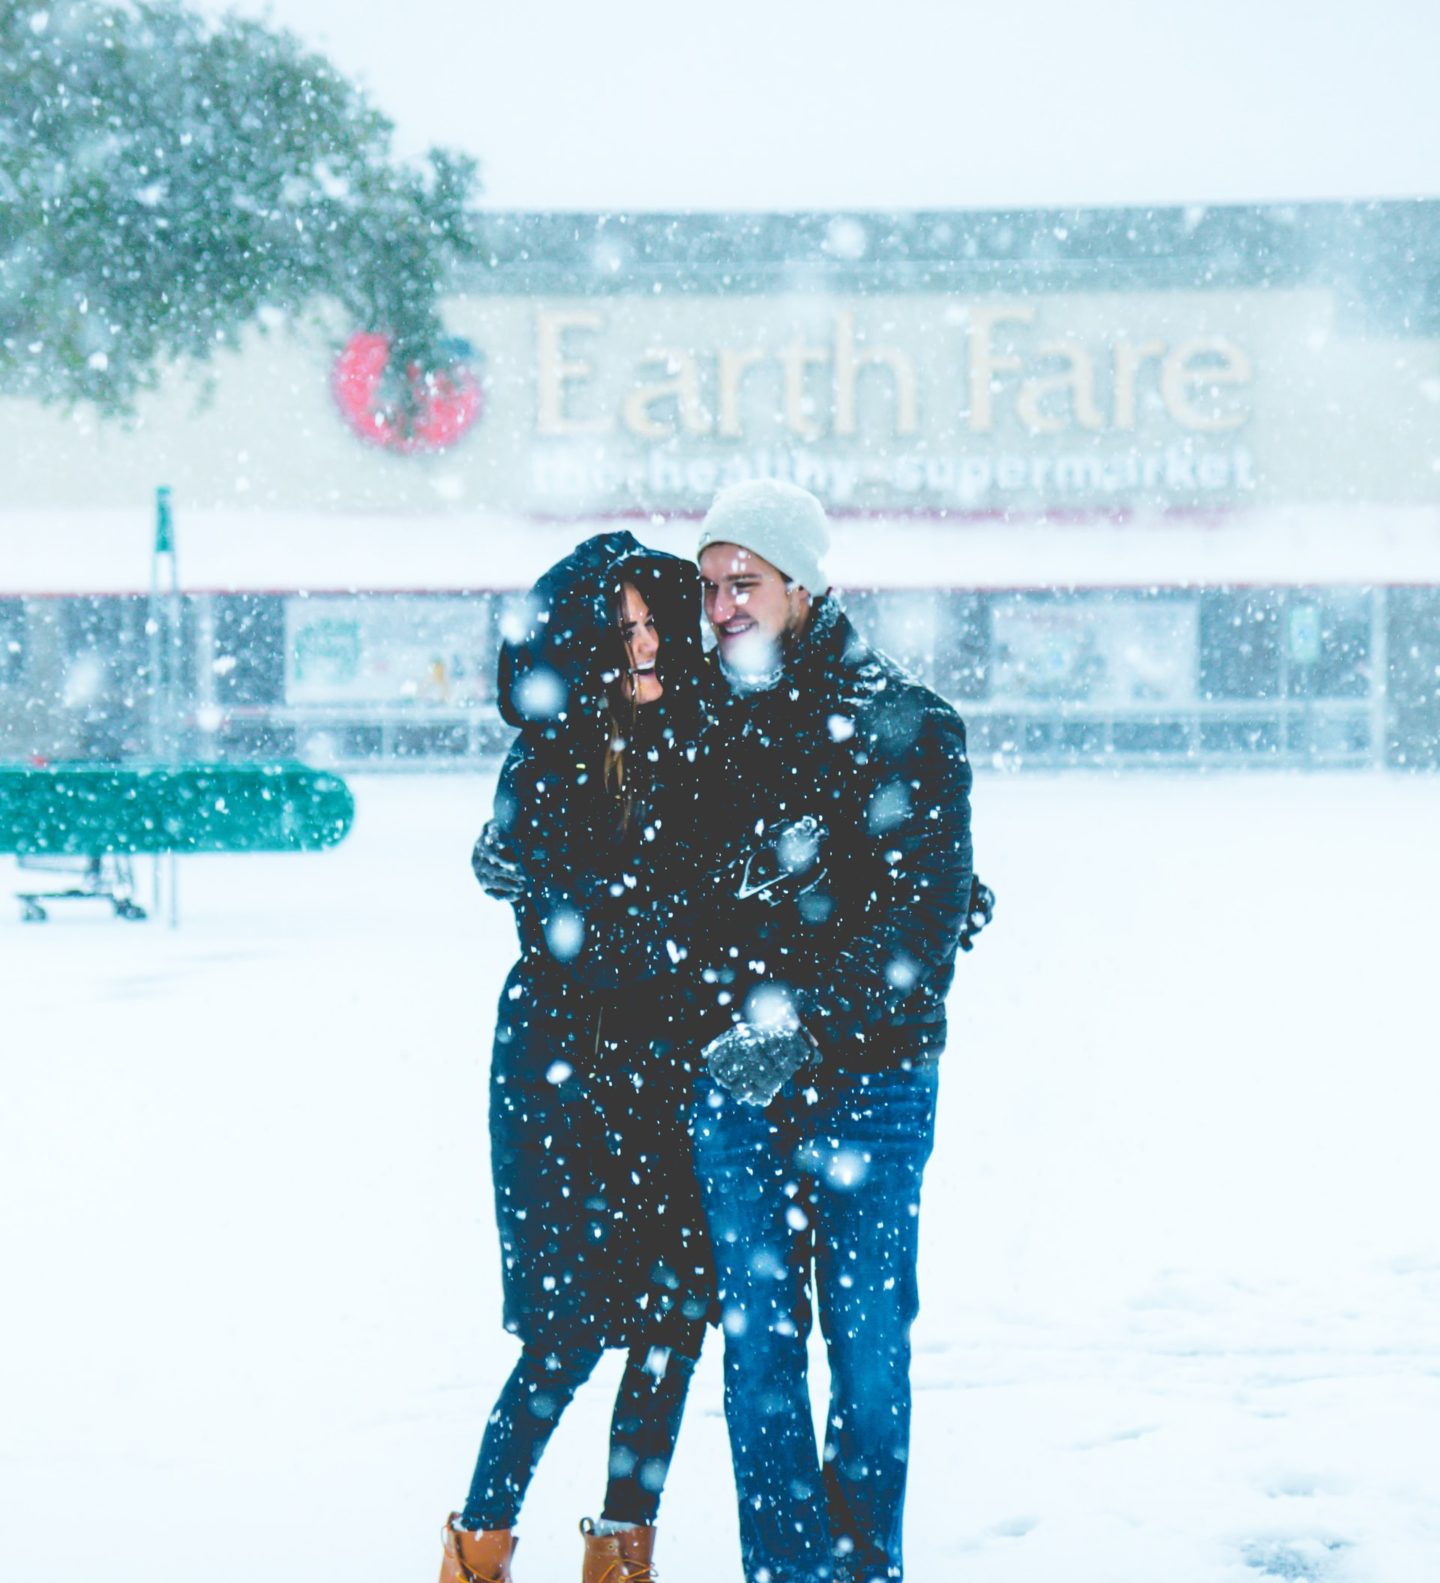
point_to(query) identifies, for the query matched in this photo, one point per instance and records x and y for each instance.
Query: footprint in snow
(1012, 1528)
(1299, 1560)
(1305, 1486)
(1117, 1437)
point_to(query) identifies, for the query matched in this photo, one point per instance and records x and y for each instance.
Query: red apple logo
(442, 405)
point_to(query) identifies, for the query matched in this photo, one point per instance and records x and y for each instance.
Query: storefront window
(1113, 651)
(1279, 643)
(12, 642)
(1327, 643)
(903, 623)
(420, 651)
(962, 648)
(249, 658)
(1240, 641)
(103, 686)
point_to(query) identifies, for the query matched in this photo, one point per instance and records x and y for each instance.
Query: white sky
(834, 104)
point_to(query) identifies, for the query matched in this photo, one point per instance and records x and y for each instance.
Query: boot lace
(467, 1573)
(623, 1571)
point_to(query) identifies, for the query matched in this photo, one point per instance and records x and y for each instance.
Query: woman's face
(642, 644)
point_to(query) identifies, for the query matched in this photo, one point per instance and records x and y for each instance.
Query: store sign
(1053, 383)
(923, 404)
(1080, 403)
(920, 403)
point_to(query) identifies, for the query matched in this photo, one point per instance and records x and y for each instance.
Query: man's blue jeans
(818, 1193)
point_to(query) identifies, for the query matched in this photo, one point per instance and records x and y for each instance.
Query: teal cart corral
(91, 820)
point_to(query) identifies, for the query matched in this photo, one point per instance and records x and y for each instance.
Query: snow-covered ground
(1181, 1261)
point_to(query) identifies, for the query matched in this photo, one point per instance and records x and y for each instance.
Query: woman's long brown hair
(616, 775)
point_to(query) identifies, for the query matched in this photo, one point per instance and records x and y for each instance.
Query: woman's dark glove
(754, 1063)
(980, 911)
(493, 861)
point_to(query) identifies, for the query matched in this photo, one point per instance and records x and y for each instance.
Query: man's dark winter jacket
(868, 952)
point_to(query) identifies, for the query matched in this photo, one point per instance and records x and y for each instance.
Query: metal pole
(165, 698)
(1379, 677)
(152, 673)
(173, 698)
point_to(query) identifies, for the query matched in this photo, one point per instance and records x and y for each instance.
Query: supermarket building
(1149, 487)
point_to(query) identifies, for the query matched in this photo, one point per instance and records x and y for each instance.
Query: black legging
(643, 1428)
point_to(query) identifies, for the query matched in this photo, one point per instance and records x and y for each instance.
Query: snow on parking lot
(1180, 1265)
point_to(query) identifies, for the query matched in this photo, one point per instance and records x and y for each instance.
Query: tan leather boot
(637, 1550)
(624, 1557)
(480, 1557)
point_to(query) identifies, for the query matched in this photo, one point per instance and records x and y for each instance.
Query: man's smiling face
(750, 605)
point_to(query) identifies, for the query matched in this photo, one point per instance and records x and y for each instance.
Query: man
(838, 995)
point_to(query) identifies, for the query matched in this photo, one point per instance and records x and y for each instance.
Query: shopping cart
(110, 878)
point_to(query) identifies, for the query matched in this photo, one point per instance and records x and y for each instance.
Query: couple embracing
(739, 883)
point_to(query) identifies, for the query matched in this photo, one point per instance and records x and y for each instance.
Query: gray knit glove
(755, 1062)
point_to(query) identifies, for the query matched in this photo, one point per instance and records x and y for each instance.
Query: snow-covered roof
(109, 552)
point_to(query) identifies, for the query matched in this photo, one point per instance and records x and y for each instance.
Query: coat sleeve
(589, 904)
(917, 826)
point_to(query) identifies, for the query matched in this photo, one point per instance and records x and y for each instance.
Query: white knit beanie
(781, 523)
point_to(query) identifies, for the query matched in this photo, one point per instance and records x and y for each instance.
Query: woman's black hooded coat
(601, 1232)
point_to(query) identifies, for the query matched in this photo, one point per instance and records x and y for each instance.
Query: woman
(601, 1233)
